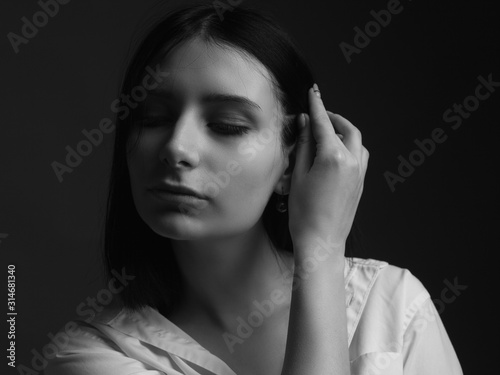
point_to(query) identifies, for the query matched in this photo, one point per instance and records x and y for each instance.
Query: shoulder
(395, 326)
(385, 299)
(384, 283)
(402, 290)
(382, 295)
(83, 347)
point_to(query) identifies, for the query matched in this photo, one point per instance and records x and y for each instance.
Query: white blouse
(393, 328)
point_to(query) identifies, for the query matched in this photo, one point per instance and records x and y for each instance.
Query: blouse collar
(151, 327)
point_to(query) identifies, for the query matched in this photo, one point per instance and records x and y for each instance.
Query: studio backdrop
(420, 79)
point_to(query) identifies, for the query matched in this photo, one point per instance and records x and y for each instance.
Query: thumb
(305, 147)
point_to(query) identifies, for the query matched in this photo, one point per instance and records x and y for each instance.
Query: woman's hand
(327, 179)
(326, 187)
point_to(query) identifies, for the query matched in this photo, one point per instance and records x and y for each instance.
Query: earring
(281, 206)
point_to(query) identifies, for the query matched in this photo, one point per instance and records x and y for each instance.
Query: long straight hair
(128, 242)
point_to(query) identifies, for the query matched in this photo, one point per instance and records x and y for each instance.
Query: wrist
(319, 250)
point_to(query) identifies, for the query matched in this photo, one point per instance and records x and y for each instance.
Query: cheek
(251, 188)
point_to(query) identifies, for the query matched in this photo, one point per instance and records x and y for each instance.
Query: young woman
(233, 192)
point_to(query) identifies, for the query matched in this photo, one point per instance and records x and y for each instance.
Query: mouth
(178, 198)
(178, 194)
(170, 190)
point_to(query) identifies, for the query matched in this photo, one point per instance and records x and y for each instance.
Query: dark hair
(128, 241)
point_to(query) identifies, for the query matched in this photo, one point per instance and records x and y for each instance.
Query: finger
(321, 125)
(365, 157)
(351, 135)
(330, 116)
(305, 147)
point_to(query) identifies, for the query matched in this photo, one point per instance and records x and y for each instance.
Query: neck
(223, 277)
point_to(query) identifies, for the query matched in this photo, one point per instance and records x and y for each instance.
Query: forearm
(317, 330)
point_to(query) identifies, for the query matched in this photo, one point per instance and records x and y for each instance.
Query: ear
(284, 183)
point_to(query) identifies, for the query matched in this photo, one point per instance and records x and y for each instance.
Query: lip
(174, 198)
(171, 190)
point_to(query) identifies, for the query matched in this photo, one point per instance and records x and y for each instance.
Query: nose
(181, 147)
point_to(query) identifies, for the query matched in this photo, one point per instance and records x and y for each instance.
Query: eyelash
(231, 130)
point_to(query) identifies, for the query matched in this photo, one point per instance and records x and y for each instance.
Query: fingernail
(316, 90)
(303, 121)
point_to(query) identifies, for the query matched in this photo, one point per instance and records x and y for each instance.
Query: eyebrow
(214, 98)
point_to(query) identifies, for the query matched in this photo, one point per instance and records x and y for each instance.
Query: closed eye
(229, 129)
(217, 127)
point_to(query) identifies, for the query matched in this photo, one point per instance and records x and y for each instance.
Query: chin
(177, 226)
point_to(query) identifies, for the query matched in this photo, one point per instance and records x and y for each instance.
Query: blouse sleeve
(399, 331)
(427, 348)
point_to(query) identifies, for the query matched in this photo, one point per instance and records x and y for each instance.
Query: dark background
(439, 223)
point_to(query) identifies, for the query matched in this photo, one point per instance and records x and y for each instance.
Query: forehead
(196, 68)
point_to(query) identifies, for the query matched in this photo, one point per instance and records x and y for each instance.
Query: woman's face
(213, 124)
